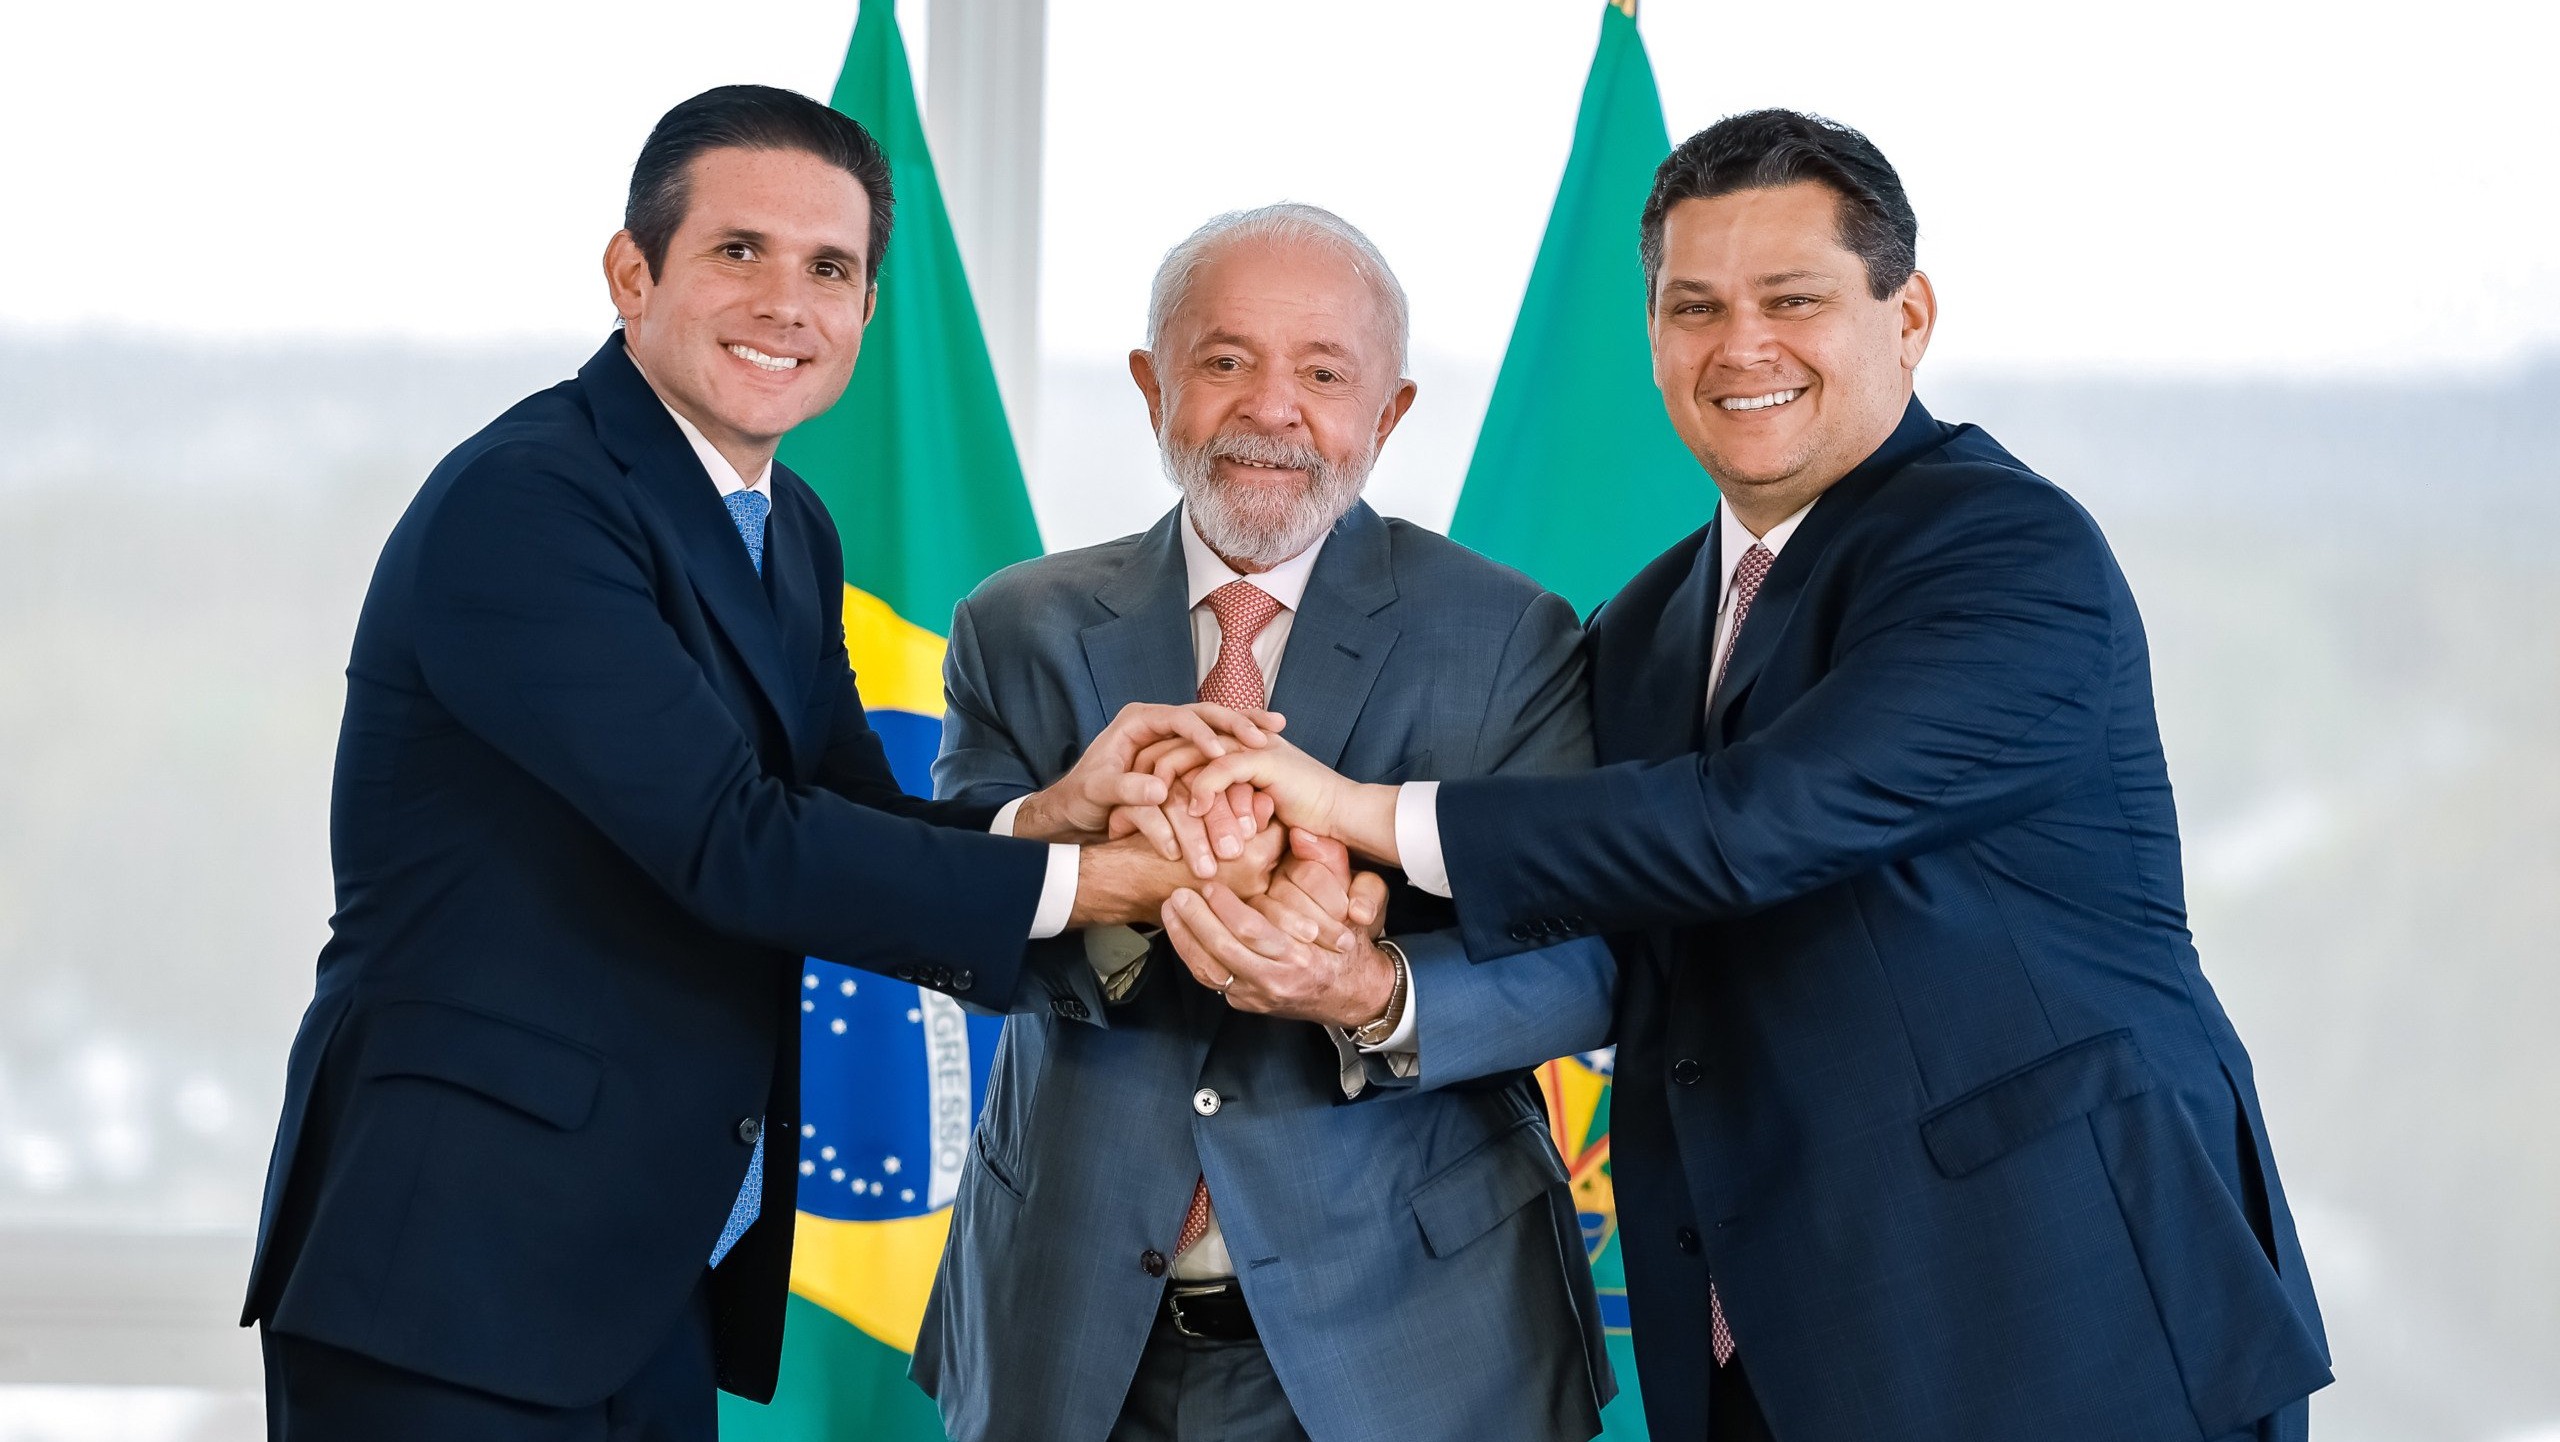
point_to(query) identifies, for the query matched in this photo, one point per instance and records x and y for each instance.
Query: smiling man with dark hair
(1927, 1124)
(603, 781)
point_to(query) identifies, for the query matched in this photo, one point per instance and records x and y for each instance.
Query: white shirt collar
(1286, 582)
(723, 474)
(1737, 541)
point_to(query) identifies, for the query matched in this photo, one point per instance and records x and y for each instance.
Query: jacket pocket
(1990, 1121)
(540, 1075)
(1485, 1187)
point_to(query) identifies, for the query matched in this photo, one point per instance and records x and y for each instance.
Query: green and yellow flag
(917, 466)
(1578, 479)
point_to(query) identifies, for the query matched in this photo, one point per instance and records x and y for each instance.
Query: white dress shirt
(1058, 887)
(1418, 802)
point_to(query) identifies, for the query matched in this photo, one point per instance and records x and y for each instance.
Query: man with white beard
(1172, 1226)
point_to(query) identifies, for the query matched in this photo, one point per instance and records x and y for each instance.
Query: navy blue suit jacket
(600, 786)
(1915, 1055)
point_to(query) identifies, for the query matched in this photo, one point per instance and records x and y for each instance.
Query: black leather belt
(1211, 1311)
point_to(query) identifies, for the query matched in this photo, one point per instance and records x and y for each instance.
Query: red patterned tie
(1234, 680)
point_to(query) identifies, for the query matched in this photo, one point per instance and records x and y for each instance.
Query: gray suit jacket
(1413, 1260)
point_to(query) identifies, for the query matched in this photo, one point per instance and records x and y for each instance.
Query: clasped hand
(1270, 917)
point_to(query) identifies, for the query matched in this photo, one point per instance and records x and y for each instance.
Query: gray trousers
(1189, 1389)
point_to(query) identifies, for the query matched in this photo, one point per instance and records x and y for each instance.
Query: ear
(870, 302)
(1397, 405)
(1142, 369)
(1919, 314)
(626, 276)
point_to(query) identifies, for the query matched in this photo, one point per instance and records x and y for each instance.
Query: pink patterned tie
(1234, 680)
(1748, 573)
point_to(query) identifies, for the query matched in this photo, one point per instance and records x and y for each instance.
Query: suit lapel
(1337, 645)
(791, 576)
(1785, 584)
(635, 426)
(1144, 652)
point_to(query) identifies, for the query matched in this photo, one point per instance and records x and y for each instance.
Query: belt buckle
(1173, 1303)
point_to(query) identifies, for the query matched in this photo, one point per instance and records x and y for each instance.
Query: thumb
(1368, 898)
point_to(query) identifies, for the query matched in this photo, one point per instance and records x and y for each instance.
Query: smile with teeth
(761, 361)
(1760, 403)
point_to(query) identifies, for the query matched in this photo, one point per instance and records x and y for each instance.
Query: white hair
(1286, 221)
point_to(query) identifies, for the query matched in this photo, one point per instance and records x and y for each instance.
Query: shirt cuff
(1402, 1040)
(1003, 824)
(1057, 893)
(1418, 838)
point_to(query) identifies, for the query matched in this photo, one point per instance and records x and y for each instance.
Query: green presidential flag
(917, 466)
(1578, 479)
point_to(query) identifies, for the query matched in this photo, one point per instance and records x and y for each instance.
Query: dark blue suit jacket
(599, 788)
(1915, 1053)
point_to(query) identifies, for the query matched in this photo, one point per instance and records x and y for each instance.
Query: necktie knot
(1748, 573)
(1242, 609)
(747, 510)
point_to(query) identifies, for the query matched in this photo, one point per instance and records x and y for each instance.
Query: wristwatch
(1385, 1026)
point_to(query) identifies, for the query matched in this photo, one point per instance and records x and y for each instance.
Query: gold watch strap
(1385, 1026)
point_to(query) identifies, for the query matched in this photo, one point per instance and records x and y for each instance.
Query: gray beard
(1262, 526)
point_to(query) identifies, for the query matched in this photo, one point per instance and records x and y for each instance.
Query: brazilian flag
(1579, 480)
(917, 466)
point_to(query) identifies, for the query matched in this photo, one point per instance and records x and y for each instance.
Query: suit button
(1206, 1101)
(963, 979)
(749, 1129)
(1686, 1239)
(1068, 1007)
(1151, 1262)
(1685, 1072)
(1519, 933)
(906, 974)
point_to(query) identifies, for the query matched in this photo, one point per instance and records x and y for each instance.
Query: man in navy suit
(1927, 1123)
(602, 781)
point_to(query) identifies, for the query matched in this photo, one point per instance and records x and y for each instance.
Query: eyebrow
(1789, 277)
(1320, 347)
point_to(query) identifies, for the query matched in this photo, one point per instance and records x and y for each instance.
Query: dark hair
(747, 117)
(1769, 148)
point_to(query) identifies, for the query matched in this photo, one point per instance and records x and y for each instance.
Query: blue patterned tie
(748, 509)
(750, 1203)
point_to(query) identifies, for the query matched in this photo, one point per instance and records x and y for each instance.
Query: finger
(1246, 924)
(1271, 721)
(1322, 850)
(1198, 848)
(1368, 898)
(1222, 772)
(1265, 806)
(1190, 945)
(1238, 724)
(1240, 802)
(1156, 824)
(1328, 886)
(1154, 751)
(1126, 788)
(1187, 722)
(1178, 763)
(1226, 833)
(1218, 942)
(1304, 916)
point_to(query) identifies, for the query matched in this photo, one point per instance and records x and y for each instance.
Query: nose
(1749, 339)
(780, 295)
(1271, 402)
